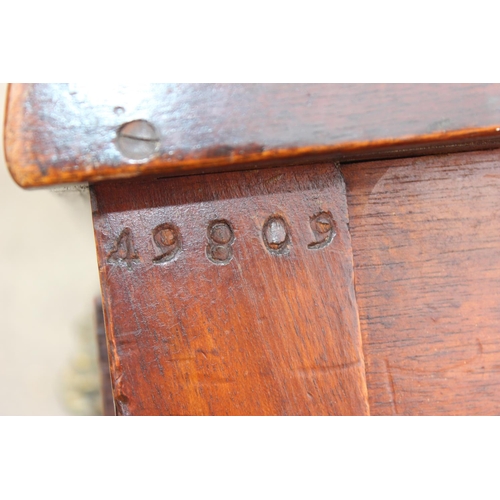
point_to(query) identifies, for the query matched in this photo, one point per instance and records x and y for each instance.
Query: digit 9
(168, 239)
(323, 228)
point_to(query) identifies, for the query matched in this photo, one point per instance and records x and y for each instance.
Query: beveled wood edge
(207, 161)
(450, 142)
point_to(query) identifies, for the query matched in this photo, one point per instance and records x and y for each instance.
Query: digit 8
(220, 242)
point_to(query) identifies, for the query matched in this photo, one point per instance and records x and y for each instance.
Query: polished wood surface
(426, 244)
(233, 293)
(66, 133)
(230, 294)
(108, 404)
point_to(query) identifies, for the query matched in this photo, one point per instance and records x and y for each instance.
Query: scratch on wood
(392, 389)
(442, 369)
(204, 378)
(306, 371)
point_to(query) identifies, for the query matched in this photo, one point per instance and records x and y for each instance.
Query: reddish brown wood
(263, 324)
(426, 244)
(63, 133)
(206, 316)
(108, 404)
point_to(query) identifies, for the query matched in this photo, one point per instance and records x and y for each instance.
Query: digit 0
(276, 235)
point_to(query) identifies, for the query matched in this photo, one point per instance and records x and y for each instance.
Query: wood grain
(108, 405)
(67, 133)
(264, 323)
(426, 244)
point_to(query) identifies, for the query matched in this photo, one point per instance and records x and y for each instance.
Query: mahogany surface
(233, 293)
(108, 405)
(426, 244)
(268, 326)
(64, 133)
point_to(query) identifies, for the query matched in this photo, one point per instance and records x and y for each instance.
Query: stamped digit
(276, 235)
(167, 238)
(323, 228)
(124, 250)
(220, 242)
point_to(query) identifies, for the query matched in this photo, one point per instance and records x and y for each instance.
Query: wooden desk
(254, 262)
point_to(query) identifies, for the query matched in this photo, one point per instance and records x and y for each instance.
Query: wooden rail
(69, 133)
